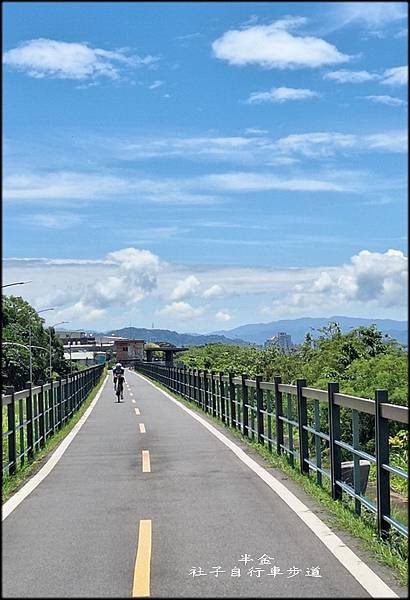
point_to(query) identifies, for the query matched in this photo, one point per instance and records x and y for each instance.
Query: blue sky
(202, 166)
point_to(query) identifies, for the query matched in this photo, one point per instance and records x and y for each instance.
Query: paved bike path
(76, 534)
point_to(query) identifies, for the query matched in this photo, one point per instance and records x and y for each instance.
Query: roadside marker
(146, 463)
(142, 428)
(142, 569)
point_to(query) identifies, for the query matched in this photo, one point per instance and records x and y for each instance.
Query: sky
(199, 166)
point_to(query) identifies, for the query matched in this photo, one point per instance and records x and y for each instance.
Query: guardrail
(301, 422)
(31, 416)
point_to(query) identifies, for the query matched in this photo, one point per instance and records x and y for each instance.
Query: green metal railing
(302, 423)
(31, 416)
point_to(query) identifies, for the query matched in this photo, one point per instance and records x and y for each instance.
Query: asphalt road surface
(144, 474)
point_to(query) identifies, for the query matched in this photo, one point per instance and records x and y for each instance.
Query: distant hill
(257, 333)
(173, 337)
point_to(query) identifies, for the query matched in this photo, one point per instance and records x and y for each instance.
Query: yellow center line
(142, 428)
(137, 411)
(142, 570)
(146, 463)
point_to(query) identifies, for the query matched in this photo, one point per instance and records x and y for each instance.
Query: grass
(12, 483)
(392, 552)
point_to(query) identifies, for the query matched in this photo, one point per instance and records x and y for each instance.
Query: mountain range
(258, 333)
(173, 337)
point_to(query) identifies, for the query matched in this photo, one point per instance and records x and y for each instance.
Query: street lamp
(15, 283)
(29, 348)
(49, 337)
(29, 332)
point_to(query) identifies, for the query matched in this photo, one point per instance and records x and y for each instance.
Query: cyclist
(118, 378)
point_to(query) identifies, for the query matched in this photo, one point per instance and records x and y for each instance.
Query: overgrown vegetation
(362, 360)
(18, 319)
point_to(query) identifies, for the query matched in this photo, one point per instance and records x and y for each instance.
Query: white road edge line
(367, 578)
(19, 496)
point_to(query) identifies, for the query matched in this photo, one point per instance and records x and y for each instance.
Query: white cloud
(395, 141)
(254, 131)
(58, 220)
(346, 76)
(181, 311)
(273, 46)
(371, 279)
(281, 94)
(374, 15)
(67, 185)
(130, 275)
(111, 289)
(393, 76)
(325, 143)
(396, 76)
(156, 84)
(223, 315)
(186, 288)
(42, 57)
(389, 100)
(215, 291)
(258, 182)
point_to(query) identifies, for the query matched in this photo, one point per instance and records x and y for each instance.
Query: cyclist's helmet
(118, 365)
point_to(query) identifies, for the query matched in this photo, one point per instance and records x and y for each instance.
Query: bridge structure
(168, 352)
(152, 496)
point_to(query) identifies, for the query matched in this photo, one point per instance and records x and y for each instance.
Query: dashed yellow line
(146, 463)
(142, 428)
(142, 569)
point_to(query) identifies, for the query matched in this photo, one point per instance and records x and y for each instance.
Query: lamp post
(15, 283)
(49, 338)
(31, 346)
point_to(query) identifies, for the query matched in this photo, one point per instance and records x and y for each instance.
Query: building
(79, 340)
(128, 350)
(282, 340)
(76, 338)
(88, 358)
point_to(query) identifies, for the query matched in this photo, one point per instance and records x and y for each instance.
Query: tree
(18, 319)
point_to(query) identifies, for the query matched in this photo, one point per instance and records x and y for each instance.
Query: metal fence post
(178, 380)
(30, 424)
(213, 395)
(334, 436)
(11, 426)
(41, 420)
(302, 420)
(278, 414)
(189, 385)
(382, 458)
(245, 427)
(222, 396)
(232, 400)
(59, 403)
(51, 406)
(184, 379)
(205, 390)
(259, 408)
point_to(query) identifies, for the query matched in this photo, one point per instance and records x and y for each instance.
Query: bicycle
(119, 388)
